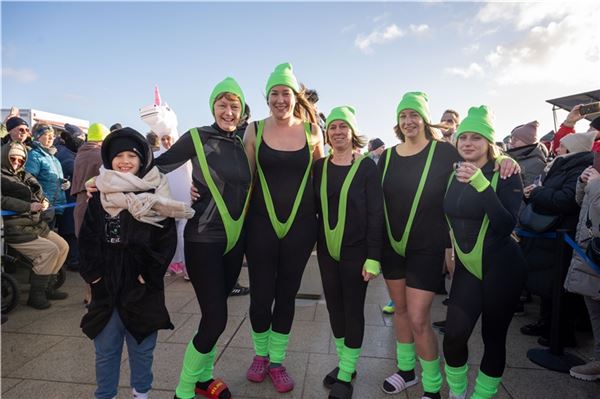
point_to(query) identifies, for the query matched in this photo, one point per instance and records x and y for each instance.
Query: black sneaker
(239, 290)
(439, 324)
(538, 328)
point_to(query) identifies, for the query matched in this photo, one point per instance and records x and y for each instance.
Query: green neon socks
(457, 378)
(196, 367)
(339, 346)
(431, 377)
(261, 342)
(405, 354)
(277, 346)
(485, 386)
(347, 363)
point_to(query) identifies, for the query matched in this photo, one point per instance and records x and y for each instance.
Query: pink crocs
(258, 369)
(281, 379)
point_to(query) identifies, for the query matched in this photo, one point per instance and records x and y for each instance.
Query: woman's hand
(36, 207)
(465, 171)
(141, 279)
(367, 276)
(590, 173)
(527, 190)
(194, 193)
(507, 167)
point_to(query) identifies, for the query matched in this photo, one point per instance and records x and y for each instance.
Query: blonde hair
(304, 109)
(358, 140)
(431, 132)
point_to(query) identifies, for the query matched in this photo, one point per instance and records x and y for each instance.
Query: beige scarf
(117, 192)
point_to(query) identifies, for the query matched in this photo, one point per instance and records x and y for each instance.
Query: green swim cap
(283, 75)
(414, 100)
(477, 121)
(228, 85)
(344, 113)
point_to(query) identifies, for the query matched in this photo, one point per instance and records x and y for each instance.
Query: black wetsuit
(343, 283)
(213, 275)
(422, 265)
(495, 296)
(275, 266)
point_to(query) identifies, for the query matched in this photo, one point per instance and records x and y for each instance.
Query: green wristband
(373, 267)
(478, 181)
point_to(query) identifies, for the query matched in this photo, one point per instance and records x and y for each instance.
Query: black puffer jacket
(18, 190)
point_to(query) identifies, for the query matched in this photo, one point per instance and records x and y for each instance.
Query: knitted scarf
(119, 191)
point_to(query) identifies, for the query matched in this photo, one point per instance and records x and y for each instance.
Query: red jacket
(565, 130)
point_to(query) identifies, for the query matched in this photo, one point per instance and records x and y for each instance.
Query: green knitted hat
(227, 85)
(344, 113)
(414, 100)
(477, 121)
(283, 75)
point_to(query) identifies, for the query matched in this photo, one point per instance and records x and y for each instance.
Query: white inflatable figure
(162, 120)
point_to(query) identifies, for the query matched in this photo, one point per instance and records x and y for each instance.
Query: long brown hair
(304, 109)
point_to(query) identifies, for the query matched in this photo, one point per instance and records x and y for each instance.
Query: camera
(591, 108)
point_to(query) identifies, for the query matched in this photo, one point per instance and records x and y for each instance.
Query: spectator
(581, 278)
(154, 141)
(528, 152)
(451, 119)
(554, 196)
(116, 126)
(43, 164)
(67, 145)
(26, 231)
(18, 130)
(568, 127)
(376, 147)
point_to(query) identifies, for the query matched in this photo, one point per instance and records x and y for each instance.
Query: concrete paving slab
(18, 349)
(178, 319)
(71, 360)
(8, 383)
(536, 384)
(50, 390)
(176, 300)
(64, 322)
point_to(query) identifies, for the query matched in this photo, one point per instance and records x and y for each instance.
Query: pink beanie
(526, 133)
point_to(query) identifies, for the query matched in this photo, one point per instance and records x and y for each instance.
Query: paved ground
(45, 354)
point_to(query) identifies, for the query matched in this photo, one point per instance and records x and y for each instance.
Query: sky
(99, 61)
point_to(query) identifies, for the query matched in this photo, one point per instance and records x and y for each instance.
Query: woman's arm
(317, 142)
(182, 151)
(250, 146)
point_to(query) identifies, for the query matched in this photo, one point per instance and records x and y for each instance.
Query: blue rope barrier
(581, 253)
(531, 234)
(69, 205)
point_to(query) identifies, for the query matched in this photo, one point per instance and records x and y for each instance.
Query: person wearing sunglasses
(18, 130)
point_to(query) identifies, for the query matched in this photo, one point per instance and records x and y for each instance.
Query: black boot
(52, 292)
(37, 292)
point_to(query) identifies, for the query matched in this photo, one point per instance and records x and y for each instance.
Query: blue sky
(99, 61)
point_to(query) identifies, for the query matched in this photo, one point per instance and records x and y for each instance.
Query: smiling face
(126, 162)
(166, 141)
(282, 101)
(227, 110)
(472, 147)
(19, 133)
(411, 124)
(339, 135)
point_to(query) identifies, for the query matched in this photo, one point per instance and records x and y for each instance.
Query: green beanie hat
(414, 100)
(97, 132)
(477, 121)
(344, 113)
(283, 75)
(227, 85)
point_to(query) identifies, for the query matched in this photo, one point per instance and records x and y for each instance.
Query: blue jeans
(109, 346)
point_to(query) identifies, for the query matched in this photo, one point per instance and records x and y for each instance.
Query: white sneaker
(587, 372)
(455, 396)
(137, 395)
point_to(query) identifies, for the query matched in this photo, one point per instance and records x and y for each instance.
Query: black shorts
(422, 269)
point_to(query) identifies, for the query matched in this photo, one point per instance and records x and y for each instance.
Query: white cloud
(24, 75)
(378, 36)
(472, 48)
(473, 70)
(419, 29)
(381, 17)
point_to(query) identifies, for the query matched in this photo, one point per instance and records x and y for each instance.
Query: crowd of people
(270, 195)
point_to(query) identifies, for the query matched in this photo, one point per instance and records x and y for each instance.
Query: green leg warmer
(277, 346)
(261, 342)
(431, 377)
(405, 353)
(347, 363)
(485, 386)
(196, 367)
(457, 378)
(339, 346)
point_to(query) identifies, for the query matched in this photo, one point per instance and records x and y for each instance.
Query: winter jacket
(117, 250)
(581, 277)
(556, 196)
(48, 171)
(18, 190)
(531, 159)
(87, 163)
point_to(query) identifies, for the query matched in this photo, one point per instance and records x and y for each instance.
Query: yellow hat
(97, 132)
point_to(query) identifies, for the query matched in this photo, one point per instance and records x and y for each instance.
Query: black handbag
(537, 222)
